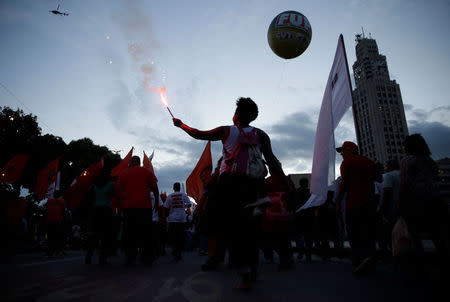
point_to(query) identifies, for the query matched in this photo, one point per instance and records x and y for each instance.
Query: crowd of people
(243, 212)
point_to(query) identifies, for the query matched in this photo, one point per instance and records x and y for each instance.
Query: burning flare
(162, 94)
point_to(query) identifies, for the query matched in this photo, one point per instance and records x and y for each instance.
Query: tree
(20, 133)
(43, 150)
(17, 131)
(81, 153)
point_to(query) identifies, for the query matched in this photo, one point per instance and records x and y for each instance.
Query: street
(34, 277)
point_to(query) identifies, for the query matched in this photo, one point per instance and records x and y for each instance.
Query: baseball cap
(347, 144)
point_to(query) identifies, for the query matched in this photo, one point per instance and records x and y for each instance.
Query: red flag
(46, 178)
(147, 162)
(200, 174)
(12, 171)
(81, 185)
(123, 164)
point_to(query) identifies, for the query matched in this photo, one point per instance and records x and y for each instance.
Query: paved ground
(33, 277)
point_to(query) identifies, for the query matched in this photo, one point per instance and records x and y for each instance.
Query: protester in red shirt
(16, 212)
(134, 187)
(16, 225)
(54, 210)
(357, 180)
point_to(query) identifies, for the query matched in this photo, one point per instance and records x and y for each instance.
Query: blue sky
(82, 74)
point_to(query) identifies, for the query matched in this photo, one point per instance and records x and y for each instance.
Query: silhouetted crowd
(373, 212)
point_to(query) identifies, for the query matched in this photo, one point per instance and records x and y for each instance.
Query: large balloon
(289, 34)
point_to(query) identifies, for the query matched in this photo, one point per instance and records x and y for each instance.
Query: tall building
(377, 105)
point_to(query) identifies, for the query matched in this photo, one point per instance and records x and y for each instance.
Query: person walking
(420, 204)
(101, 218)
(156, 226)
(54, 212)
(357, 180)
(134, 186)
(304, 221)
(176, 205)
(389, 205)
(241, 180)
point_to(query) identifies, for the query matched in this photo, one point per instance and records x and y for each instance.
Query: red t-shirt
(357, 180)
(135, 185)
(16, 211)
(275, 183)
(54, 208)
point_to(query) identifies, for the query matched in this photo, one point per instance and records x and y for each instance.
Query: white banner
(53, 187)
(336, 101)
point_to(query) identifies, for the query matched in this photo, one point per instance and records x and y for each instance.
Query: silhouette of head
(135, 161)
(415, 145)
(104, 175)
(246, 111)
(348, 149)
(176, 187)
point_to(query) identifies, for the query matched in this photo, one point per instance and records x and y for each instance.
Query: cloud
(408, 107)
(438, 114)
(292, 140)
(168, 175)
(434, 126)
(140, 46)
(187, 155)
(441, 114)
(137, 30)
(291, 89)
(118, 109)
(437, 136)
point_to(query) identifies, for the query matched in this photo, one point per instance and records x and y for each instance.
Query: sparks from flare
(162, 94)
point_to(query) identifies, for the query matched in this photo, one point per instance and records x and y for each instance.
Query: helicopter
(57, 12)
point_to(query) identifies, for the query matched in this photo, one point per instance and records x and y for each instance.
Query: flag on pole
(147, 162)
(123, 164)
(336, 101)
(12, 171)
(200, 174)
(82, 184)
(47, 180)
(54, 186)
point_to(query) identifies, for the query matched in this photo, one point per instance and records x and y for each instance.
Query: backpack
(246, 158)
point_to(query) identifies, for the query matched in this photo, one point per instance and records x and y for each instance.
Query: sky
(83, 74)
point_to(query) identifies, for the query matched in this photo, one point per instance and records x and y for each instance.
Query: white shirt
(379, 192)
(155, 216)
(335, 188)
(230, 144)
(176, 203)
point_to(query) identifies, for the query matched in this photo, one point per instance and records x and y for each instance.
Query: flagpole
(333, 138)
(355, 118)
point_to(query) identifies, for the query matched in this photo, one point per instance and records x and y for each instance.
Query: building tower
(377, 105)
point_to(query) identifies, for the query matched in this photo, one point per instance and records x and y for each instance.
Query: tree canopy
(20, 133)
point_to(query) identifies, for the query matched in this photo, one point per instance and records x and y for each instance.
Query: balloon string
(282, 74)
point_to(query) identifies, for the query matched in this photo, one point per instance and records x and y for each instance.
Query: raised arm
(219, 133)
(272, 161)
